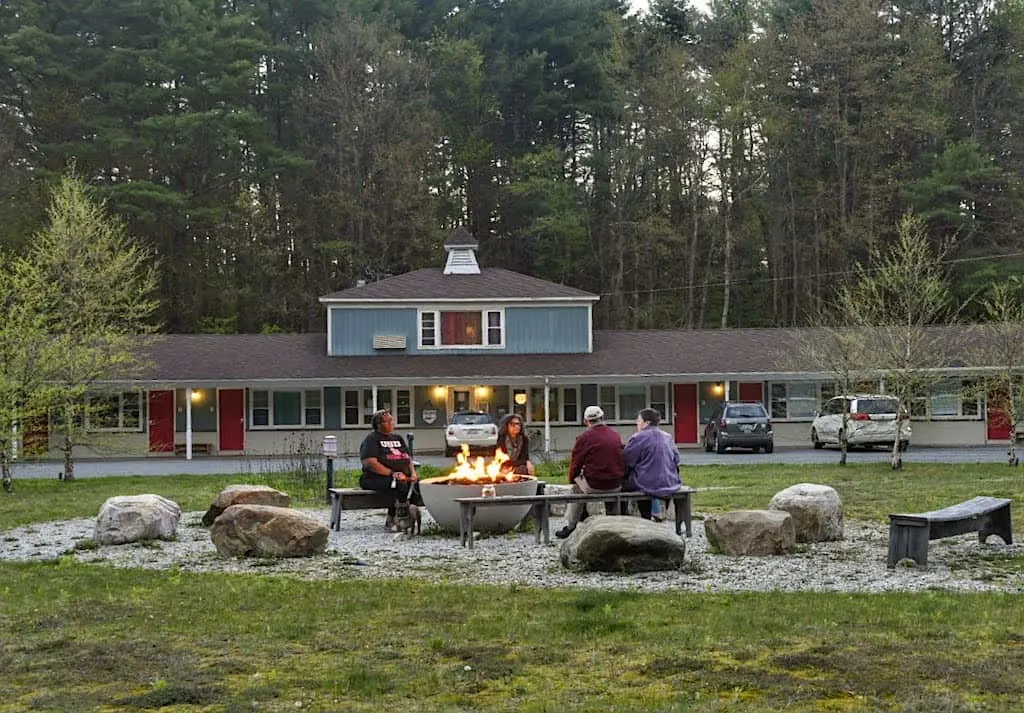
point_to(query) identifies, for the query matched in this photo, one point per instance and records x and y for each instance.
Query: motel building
(434, 341)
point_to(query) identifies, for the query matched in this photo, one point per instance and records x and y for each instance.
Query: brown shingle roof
(430, 283)
(209, 359)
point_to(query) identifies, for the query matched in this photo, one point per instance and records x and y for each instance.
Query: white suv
(871, 421)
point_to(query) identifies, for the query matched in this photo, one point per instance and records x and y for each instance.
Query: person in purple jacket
(652, 463)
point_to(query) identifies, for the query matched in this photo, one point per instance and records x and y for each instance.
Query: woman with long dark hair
(515, 444)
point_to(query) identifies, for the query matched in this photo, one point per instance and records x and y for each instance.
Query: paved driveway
(202, 465)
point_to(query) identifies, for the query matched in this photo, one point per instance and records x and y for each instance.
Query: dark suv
(739, 424)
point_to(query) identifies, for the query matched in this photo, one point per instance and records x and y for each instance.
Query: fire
(478, 470)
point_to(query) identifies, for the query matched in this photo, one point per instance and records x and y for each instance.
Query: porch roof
(681, 355)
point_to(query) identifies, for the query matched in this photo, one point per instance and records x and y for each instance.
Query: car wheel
(719, 446)
(818, 445)
(769, 447)
(707, 443)
(449, 452)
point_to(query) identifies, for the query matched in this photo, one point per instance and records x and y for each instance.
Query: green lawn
(77, 637)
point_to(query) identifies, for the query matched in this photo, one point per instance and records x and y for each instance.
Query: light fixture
(520, 398)
(718, 389)
(439, 392)
(482, 392)
(197, 396)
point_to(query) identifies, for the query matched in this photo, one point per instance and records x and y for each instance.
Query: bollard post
(329, 449)
(408, 441)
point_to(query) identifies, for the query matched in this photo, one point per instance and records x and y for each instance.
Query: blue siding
(546, 330)
(353, 330)
(528, 330)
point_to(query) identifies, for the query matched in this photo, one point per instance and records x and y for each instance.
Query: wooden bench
(909, 533)
(204, 449)
(357, 499)
(467, 509)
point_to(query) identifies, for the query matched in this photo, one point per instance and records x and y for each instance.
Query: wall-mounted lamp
(197, 396)
(482, 392)
(440, 392)
(520, 398)
(718, 389)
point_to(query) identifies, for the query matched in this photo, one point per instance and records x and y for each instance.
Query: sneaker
(564, 532)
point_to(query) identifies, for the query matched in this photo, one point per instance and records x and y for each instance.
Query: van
(871, 421)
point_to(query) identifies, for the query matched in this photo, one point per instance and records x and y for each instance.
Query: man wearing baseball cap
(595, 465)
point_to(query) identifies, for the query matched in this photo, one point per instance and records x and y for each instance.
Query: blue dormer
(460, 309)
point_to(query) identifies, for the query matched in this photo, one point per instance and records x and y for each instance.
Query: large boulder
(816, 510)
(622, 544)
(751, 532)
(245, 495)
(267, 531)
(130, 518)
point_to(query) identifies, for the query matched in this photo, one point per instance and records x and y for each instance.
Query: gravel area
(363, 549)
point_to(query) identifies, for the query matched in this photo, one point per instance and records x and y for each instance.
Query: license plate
(746, 427)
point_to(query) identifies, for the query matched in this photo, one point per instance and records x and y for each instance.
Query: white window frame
(121, 400)
(557, 397)
(387, 397)
(819, 398)
(433, 314)
(960, 398)
(613, 408)
(272, 425)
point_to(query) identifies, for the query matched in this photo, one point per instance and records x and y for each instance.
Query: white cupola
(461, 249)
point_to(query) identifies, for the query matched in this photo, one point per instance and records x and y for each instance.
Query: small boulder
(245, 495)
(267, 531)
(816, 510)
(130, 518)
(622, 544)
(751, 532)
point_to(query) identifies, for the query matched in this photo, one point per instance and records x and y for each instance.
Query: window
(359, 406)
(114, 412)
(464, 328)
(949, 399)
(562, 404)
(797, 399)
(286, 409)
(623, 403)
(428, 330)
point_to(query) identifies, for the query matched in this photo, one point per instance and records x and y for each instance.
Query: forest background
(726, 166)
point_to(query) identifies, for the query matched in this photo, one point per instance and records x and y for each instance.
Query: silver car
(871, 421)
(474, 428)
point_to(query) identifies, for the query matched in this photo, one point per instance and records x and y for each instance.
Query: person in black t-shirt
(387, 465)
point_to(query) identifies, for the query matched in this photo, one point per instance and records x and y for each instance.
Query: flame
(478, 470)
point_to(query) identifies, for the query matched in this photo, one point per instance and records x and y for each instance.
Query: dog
(408, 520)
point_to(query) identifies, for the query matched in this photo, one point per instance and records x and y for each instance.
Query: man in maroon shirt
(595, 466)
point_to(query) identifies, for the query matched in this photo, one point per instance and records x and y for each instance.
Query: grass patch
(82, 637)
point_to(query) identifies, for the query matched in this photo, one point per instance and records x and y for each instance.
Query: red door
(231, 419)
(685, 398)
(996, 420)
(752, 391)
(161, 421)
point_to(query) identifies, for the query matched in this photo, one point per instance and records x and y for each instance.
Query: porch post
(188, 423)
(547, 416)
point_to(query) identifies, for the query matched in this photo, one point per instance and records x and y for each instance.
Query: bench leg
(466, 515)
(335, 512)
(684, 516)
(998, 523)
(908, 540)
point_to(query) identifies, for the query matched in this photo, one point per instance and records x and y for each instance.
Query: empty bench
(909, 533)
(681, 499)
(357, 499)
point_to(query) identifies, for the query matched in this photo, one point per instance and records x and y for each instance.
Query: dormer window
(483, 328)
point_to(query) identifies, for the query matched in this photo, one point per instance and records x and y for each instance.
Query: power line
(788, 278)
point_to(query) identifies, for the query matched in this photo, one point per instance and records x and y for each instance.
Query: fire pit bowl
(439, 496)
